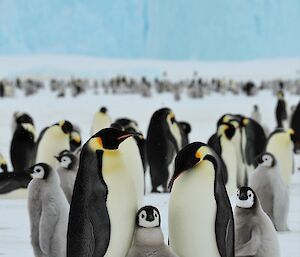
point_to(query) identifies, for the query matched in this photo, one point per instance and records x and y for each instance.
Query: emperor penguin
(200, 216)
(19, 118)
(280, 112)
(256, 115)
(224, 147)
(269, 187)
(3, 164)
(185, 130)
(48, 212)
(280, 144)
(122, 198)
(67, 170)
(148, 238)
(295, 125)
(163, 142)
(52, 141)
(255, 234)
(75, 138)
(101, 120)
(22, 147)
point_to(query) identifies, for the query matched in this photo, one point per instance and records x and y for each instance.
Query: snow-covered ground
(201, 113)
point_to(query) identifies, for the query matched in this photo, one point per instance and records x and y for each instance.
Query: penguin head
(266, 160)
(292, 135)
(103, 109)
(148, 217)
(3, 165)
(40, 171)
(117, 126)
(109, 138)
(65, 126)
(75, 137)
(191, 155)
(67, 159)
(246, 198)
(186, 127)
(21, 117)
(226, 129)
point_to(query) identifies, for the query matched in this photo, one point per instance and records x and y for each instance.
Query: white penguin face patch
(244, 201)
(267, 160)
(38, 172)
(65, 162)
(148, 221)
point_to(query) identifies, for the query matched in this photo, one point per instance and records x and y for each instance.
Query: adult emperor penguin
(67, 170)
(269, 187)
(148, 239)
(255, 234)
(295, 125)
(163, 142)
(224, 147)
(280, 144)
(48, 212)
(280, 112)
(75, 138)
(122, 199)
(52, 141)
(19, 118)
(200, 216)
(22, 147)
(101, 120)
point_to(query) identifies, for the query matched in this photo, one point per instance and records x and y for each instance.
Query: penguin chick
(48, 212)
(148, 240)
(255, 234)
(273, 194)
(67, 171)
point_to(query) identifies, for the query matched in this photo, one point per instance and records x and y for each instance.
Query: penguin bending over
(269, 187)
(67, 170)
(280, 144)
(148, 238)
(163, 142)
(200, 216)
(52, 141)
(254, 232)
(48, 212)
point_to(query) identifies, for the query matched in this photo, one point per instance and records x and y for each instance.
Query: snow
(169, 29)
(201, 113)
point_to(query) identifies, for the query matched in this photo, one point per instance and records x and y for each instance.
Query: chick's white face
(148, 220)
(267, 160)
(38, 172)
(65, 161)
(245, 201)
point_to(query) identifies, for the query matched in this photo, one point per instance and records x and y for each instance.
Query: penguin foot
(155, 191)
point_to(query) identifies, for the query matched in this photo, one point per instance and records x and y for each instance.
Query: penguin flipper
(48, 221)
(251, 247)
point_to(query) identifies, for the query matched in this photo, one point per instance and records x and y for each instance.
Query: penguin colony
(88, 200)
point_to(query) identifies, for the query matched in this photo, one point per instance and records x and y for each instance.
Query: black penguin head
(40, 171)
(226, 129)
(293, 135)
(266, 160)
(148, 217)
(75, 137)
(67, 159)
(246, 198)
(21, 117)
(186, 127)
(116, 126)
(190, 156)
(65, 126)
(103, 109)
(109, 138)
(3, 166)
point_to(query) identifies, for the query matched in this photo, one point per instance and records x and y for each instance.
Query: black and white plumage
(148, 240)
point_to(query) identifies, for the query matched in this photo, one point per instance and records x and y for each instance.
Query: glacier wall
(155, 29)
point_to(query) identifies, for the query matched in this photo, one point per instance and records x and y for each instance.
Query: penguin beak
(150, 217)
(259, 159)
(56, 157)
(243, 196)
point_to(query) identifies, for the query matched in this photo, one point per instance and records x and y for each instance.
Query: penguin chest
(229, 157)
(122, 205)
(192, 214)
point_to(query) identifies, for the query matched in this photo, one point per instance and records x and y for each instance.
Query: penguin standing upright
(48, 212)
(256, 115)
(52, 141)
(269, 187)
(19, 118)
(163, 142)
(67, 171)
(280, 144)
(148, 238)
(101, 120)
(22, 147)
(280, 112)
(200, 216)
(122, 199)
(255, 234)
